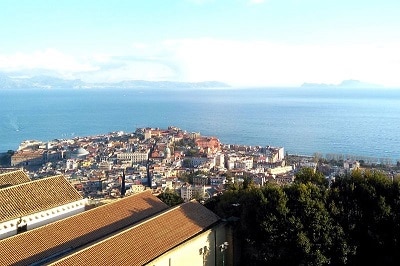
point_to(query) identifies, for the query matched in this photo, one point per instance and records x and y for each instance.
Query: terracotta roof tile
(76, 231)
(147, 240)
(35, 196)
(13, 178)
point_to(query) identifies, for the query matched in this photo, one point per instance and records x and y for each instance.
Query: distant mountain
(6, 82)
(48, 82)
(350, 83)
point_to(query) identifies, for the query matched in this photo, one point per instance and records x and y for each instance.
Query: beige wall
(201, 250)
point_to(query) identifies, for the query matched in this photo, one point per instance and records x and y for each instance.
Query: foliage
(183, 143)
(356, 221)
(188, 177)
(308, 175)
(170, 197)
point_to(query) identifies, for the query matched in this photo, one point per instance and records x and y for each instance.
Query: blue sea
(359, 122)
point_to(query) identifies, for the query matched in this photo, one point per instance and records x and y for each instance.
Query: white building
(350, 165)
(244, 163)
(134, 157)
(279, 170)
(220, 160)
(71, 164)
(189, 192)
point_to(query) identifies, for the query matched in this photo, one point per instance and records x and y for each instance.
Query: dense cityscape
(170, 167)
(169, 158)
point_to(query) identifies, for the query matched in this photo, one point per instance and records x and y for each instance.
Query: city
(96, 183)
(162, 159)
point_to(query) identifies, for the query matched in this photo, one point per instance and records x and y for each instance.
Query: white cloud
(48, 59)
(266, 63)
(241, 63)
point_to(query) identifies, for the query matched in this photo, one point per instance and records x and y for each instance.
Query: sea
(305, 121)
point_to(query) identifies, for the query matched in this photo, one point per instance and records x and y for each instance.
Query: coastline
(304, 121)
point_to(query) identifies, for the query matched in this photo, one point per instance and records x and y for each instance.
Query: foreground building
(25, 204)
(185, 235)
(13, 178)
(135, 230)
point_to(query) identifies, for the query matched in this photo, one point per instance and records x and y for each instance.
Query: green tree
(170, 197)
(315, 237)
(307, 174)
(356, 221)
(366, 205)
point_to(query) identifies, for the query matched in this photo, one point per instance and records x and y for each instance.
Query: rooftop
(35, 196)
(156, 236)
(65, 235)
(13, 178)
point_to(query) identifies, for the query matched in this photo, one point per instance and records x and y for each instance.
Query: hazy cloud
(241, 63)
(47, 59)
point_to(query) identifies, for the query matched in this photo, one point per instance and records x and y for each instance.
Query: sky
(239, 42)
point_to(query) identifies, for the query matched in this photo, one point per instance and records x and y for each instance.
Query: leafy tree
(170, 197)
(356, 221)
(317, 239)
(307, 174)
(364, 203)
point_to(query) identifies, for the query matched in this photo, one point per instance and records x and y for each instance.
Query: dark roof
(65, 235)
(148, 240)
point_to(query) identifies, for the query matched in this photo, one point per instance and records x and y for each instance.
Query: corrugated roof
(78, 230)
(13, 178)
(148, 240)
(35, 196)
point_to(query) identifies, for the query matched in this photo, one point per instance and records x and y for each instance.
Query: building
(13, 178)
(196, 161)
(27, 158)
(135, 230)
(28, 205)
(279, 170)
(134, 157)
(66, 236)
(188, 234)
(200, 180)
(105, 166)
(274, 154)
(220, 160)
(79, 153)
(244, 163)
(137, 188)
(189, 192)
(350, 165)
(208, 144)
(71, 164)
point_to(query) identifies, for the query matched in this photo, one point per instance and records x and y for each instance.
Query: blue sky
(240, 42)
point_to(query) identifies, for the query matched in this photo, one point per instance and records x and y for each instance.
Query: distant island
(350, 83)
(48, 82)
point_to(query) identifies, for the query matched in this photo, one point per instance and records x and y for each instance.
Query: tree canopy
(355, 221)
(170, 197)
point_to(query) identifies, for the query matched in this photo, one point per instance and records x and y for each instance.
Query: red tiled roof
(76, 231)
(13, 178)
(147, 240)
(35, 196)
